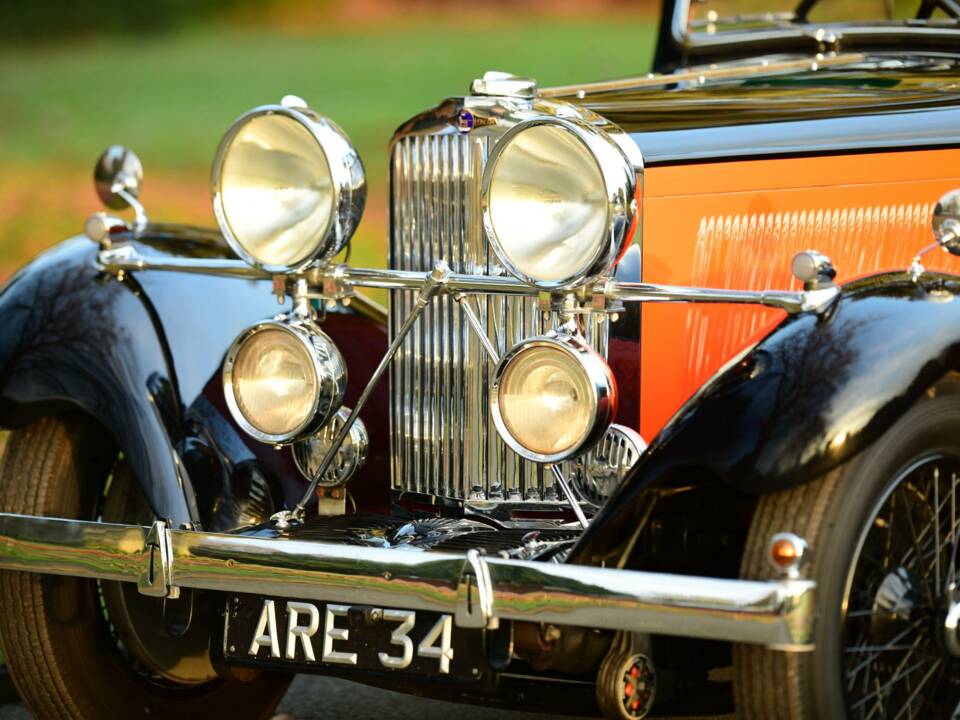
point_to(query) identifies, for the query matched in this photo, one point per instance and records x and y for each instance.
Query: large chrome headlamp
(553, 397)
(288, 188)
(283, 380)
(558, 200)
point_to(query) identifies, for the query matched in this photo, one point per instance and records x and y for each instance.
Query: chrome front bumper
(478, 591)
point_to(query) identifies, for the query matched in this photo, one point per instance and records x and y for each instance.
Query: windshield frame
(677, 46)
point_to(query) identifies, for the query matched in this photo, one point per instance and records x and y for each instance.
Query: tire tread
(769, 683)
(60, 663)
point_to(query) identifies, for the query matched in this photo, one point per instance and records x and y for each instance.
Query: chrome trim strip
(733, 71)
(776, 613)
(650, 292)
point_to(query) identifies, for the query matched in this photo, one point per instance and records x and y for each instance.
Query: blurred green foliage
(172, 97)
(31, 20)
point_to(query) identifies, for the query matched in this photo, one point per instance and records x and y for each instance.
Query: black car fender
(142, 357)
(818, 389)
(72, 337)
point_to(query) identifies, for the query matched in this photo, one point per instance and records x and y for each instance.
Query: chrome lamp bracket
(475, 595)
(433, 284)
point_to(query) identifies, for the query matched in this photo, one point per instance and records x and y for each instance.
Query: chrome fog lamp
(553, 397)
(351, 455)
(283, 380)
(288, 188)
(558, 201)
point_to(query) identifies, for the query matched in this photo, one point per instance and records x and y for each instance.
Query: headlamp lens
(276, 190)
(547, 206)
(274, 382)
(546, 400)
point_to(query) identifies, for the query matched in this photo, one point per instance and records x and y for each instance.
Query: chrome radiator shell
(443, 441)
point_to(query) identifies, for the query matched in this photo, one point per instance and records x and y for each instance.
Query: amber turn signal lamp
(787, 552)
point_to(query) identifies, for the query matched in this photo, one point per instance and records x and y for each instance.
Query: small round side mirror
(946, 222)
(117, 176)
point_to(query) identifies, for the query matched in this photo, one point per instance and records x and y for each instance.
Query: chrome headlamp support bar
(337, 282)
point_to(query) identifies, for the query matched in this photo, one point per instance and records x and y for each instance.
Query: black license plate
(314, 636)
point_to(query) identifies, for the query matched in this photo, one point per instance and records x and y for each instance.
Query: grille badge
(468, 120)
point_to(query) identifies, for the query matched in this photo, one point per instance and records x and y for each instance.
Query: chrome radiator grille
(443, 440)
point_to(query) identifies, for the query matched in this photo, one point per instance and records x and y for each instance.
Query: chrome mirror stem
(140, 219)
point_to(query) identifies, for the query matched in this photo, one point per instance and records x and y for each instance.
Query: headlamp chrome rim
(620, 186)
(603, 400)
(346, 173)
(327, 365)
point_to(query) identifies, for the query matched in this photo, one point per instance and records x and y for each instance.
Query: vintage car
(204, 491)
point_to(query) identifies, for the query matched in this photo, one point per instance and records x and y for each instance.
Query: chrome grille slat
(442, 434)
(416, 253)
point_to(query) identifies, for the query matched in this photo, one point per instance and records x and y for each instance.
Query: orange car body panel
(738, 224)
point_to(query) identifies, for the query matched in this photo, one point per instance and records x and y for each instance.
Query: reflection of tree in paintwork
(818, 358)
(58, 328)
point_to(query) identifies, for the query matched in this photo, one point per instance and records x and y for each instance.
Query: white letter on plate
(268, 623)
(400, 636)
(442, 630)
(331, 633)
(304, 632)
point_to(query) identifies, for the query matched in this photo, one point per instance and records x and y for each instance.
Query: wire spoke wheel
(897, 655)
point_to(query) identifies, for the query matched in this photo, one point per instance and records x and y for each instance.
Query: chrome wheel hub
(895, 605)
(951, 622)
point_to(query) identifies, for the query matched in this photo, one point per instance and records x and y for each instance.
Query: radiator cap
(502, 84)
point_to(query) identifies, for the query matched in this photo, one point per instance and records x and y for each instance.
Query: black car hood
(876, 103)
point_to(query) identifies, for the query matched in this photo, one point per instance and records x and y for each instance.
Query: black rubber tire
(63, 660)
(831, 514)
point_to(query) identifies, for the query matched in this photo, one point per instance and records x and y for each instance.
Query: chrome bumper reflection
(478, 591)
